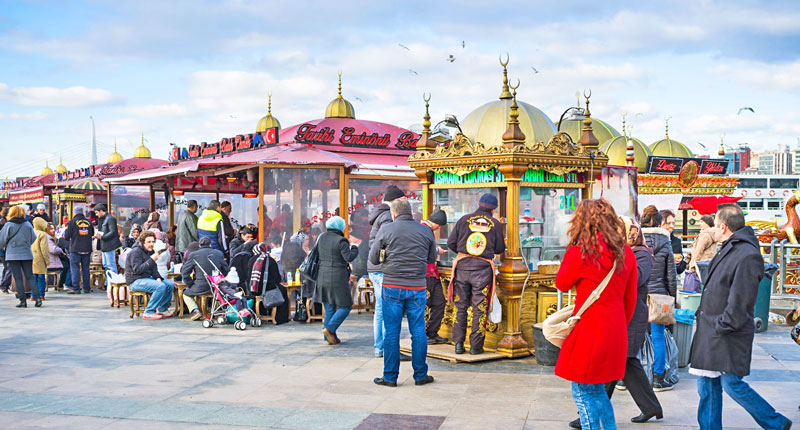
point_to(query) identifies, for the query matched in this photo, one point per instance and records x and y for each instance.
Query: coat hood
(744, 235)
(377, 211)
(141, 247)
(655, 230)
(39, 224)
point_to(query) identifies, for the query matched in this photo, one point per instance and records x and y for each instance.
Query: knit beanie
(488, 201)
(438, 216)
(392, 192)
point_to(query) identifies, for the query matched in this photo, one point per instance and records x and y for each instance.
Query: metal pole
(560, 303)
(782, 266)
(773, 258)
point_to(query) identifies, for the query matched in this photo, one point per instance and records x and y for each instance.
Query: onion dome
(115, 156)
(617, 150)
(268, 121)
(47, 170)
(61, 168)
(667, 147)
(142, 151)
(340, 107)
(487, 123)
(573, 126)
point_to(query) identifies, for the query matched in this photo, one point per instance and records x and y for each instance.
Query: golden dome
(268, 121)
(142, 151)
(47, 170)
(616, 149)
(61, 168)
(487, 123)
(115, 156)
(667, 147)
(340, 107)
(573, 126)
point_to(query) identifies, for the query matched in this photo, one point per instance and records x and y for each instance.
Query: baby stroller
(227, 303)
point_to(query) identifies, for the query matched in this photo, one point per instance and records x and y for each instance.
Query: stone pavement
(78, 364)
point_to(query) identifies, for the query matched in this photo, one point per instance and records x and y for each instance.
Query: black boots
(38, 302)
(460, 348)
(22, 303)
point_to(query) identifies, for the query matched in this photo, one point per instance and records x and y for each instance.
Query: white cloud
(70, 97)
(171, 110)
(30, 116)
(767, 76)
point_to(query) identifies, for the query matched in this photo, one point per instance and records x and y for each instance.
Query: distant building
(780, 162)
(766, 164)
(739, 159)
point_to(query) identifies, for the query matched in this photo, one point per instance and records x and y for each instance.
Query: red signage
(226, 146)
(714, 167)
(349, 136)
(673, 165)
(30, 196)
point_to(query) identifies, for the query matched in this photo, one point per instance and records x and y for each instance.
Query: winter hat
(101, 207)
(78, 210)
(40, 206)
(392, 192)
(335, 223)
(204, 242)
(438, 216)
(488, 201)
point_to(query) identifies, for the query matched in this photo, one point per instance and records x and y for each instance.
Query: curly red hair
(592, 220)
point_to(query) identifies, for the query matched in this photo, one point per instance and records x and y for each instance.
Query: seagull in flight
(411, 71)
(534, 69)
(403, 46)
(451, 58)
(232, 116)
(701, 144)
(359, 99)
(463, 44)
(745, 108)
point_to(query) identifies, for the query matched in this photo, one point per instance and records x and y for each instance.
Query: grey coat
(408, 249)
(187, 230)
(723, 341)
(333, 279)
(663, 280)
(378, 216)
(16, 238)
(193, 276)
(637, 328)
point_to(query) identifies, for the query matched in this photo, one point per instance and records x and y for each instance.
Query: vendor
(477, 237)
(436, 302)
(199, 263)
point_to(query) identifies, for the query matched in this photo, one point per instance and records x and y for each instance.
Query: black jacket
(193, 276)
(677, 248)
(333, 279)
(43, 216)
(139, 265)
(378, 216)
(465, 230)
(637, 328)
(409, 248)
(110, 240)
(79, 234)
(663, 280)
(723, 341)
(235, 245)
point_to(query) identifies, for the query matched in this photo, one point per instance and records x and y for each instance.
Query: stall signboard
(674, 165)
(348, 136)
(26, 196)
(494, 176)
(239, 143)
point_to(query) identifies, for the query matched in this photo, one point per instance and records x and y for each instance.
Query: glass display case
(457, 202)
(543, 222)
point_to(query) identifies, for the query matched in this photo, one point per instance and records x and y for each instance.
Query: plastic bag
(646, 357)
(691, 283)
(671, 362)
(496, 315)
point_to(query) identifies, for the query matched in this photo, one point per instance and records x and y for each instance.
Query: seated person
(276, 249)
(245, 235)
(241, 261)
(141, 274)
(264, 276)
(204, 259)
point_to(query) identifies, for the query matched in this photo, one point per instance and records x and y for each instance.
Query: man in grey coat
(723, 344)
(187, 229)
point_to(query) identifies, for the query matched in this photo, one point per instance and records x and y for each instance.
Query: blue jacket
(16, 238)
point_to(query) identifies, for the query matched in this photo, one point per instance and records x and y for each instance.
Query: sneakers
(166, 314)
(153, 316)
(196, 315)
(621, 385)
(661, 385)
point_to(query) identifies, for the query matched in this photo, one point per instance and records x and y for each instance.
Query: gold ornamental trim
(550, 185)
(474, 185)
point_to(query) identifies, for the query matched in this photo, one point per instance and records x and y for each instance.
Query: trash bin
(690, 301)
(546, 353)
(761, 313)
(683, 331)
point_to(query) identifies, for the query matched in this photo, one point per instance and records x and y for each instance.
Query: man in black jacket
(477, 238)
(108, 235)
(79, 234)
(141, 274)
(192, 272)
(723, 344)
(404, 248)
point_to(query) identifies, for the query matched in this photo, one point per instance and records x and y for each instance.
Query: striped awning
(89, 185)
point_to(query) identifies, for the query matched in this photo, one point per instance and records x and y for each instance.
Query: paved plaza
(78, 364)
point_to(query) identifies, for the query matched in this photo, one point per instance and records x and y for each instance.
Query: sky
(185, 72)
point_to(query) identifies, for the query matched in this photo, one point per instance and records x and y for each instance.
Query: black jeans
(18, 269)
(5, 281)
(639, 387)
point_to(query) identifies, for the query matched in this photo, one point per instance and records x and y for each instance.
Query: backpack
(300, 313)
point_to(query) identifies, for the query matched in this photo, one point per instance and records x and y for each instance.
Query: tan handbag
(661, 309)
(559, 325)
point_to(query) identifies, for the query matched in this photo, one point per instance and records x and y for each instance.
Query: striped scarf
(260, 266)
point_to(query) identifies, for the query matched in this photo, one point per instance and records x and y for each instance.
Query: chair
(97, 276)
(178, 296)
(312, 315)
(136, 307)
(204, 304)
(368, 293)
(56, 277)
(119, 289)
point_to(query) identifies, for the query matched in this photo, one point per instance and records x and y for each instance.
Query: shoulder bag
(661, 309)
(309, 268)
(559, 325)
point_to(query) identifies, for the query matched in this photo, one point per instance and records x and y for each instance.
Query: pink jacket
(55, 252)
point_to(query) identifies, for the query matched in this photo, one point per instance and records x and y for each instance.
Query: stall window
(757, 204)
(742, 204)
(753, 183)
(299, 200)
(544, 220)
(365, 194)
(202, 200)
(787, 183)
(130, 204)
(773, 205)
(244, 210)
(456, 203)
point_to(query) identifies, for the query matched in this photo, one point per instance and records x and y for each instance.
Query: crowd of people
(635, 264)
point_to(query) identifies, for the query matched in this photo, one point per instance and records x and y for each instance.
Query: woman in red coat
(596, 350)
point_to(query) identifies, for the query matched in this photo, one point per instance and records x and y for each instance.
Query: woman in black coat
(269, 277)
(333, 279)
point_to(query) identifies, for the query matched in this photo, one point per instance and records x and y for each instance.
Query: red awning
(128, 166)
(708, 205)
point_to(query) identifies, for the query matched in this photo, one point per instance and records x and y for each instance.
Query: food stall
(538, 185)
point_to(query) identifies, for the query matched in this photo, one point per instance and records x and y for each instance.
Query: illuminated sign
(493, 175)
(347, 136)
(240, 143)
(673, 165)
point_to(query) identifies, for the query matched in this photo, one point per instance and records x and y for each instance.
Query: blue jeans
(79, 268)
(395, 302)
(594, 406)
(659, 347)
(65, 279)
(334, 317)
(709, 409)
(161, 293)
(109, 263)
(377, 321)
(41, 281)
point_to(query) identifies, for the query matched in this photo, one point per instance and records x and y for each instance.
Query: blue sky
(192, 71)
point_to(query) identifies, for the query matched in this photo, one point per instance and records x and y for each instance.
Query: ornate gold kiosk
(538, 186)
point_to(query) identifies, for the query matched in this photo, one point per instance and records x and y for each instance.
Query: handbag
(272, 298)
(310, 266)
(559, 325)
(661, 309)
(301, 314)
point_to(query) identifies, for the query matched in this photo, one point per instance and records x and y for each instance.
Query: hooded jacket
(79, 234)
(210, 225)
(378, 216)
(192, 274)
(55, 253)
(663, 279)
(139, 265)
(723, 341)
(187, 230)
(40, 248)
(16, 238)
(110, 240)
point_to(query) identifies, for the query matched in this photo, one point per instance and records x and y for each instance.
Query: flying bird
(701, 144)
(411, 71)
(745, 108)
(534, 69)
(403, 46)
(451, 58)
(359, 99)
(463, 44)
(232, 116)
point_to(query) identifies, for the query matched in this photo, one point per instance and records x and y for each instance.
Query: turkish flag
(708, 205)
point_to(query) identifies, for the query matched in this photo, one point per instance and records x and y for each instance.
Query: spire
(425, 143)
(340, 107)
(588, 139)
(513, 135)
(666, 126)
(721, 145)
(505, 94)
(630, 154)
(269, 100)
(340, 85)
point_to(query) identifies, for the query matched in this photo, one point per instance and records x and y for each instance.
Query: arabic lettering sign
(231, 145)
(673, 165)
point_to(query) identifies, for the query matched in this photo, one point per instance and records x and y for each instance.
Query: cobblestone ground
(78, 364)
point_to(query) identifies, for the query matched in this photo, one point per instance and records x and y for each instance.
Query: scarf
(260, 266)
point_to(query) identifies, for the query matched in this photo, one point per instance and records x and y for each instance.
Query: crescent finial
(427, 98)
(504, 64)
(587, 96)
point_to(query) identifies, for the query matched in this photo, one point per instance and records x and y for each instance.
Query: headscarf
(261, 251)
(192, 247)
(336, 223)
(152, 222)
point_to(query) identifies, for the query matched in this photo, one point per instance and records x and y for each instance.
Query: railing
(781, 253)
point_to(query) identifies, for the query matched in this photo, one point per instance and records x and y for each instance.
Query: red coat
(596, 350)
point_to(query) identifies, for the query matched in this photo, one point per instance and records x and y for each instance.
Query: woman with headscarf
(333, 279)
(153, 222)
(263, 276)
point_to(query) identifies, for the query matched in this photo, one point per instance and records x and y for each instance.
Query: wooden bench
(180, 287)
(368, 293)
(97, 277)
(56, 277)
(136, 307)
(312, 315)
(119, 294)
